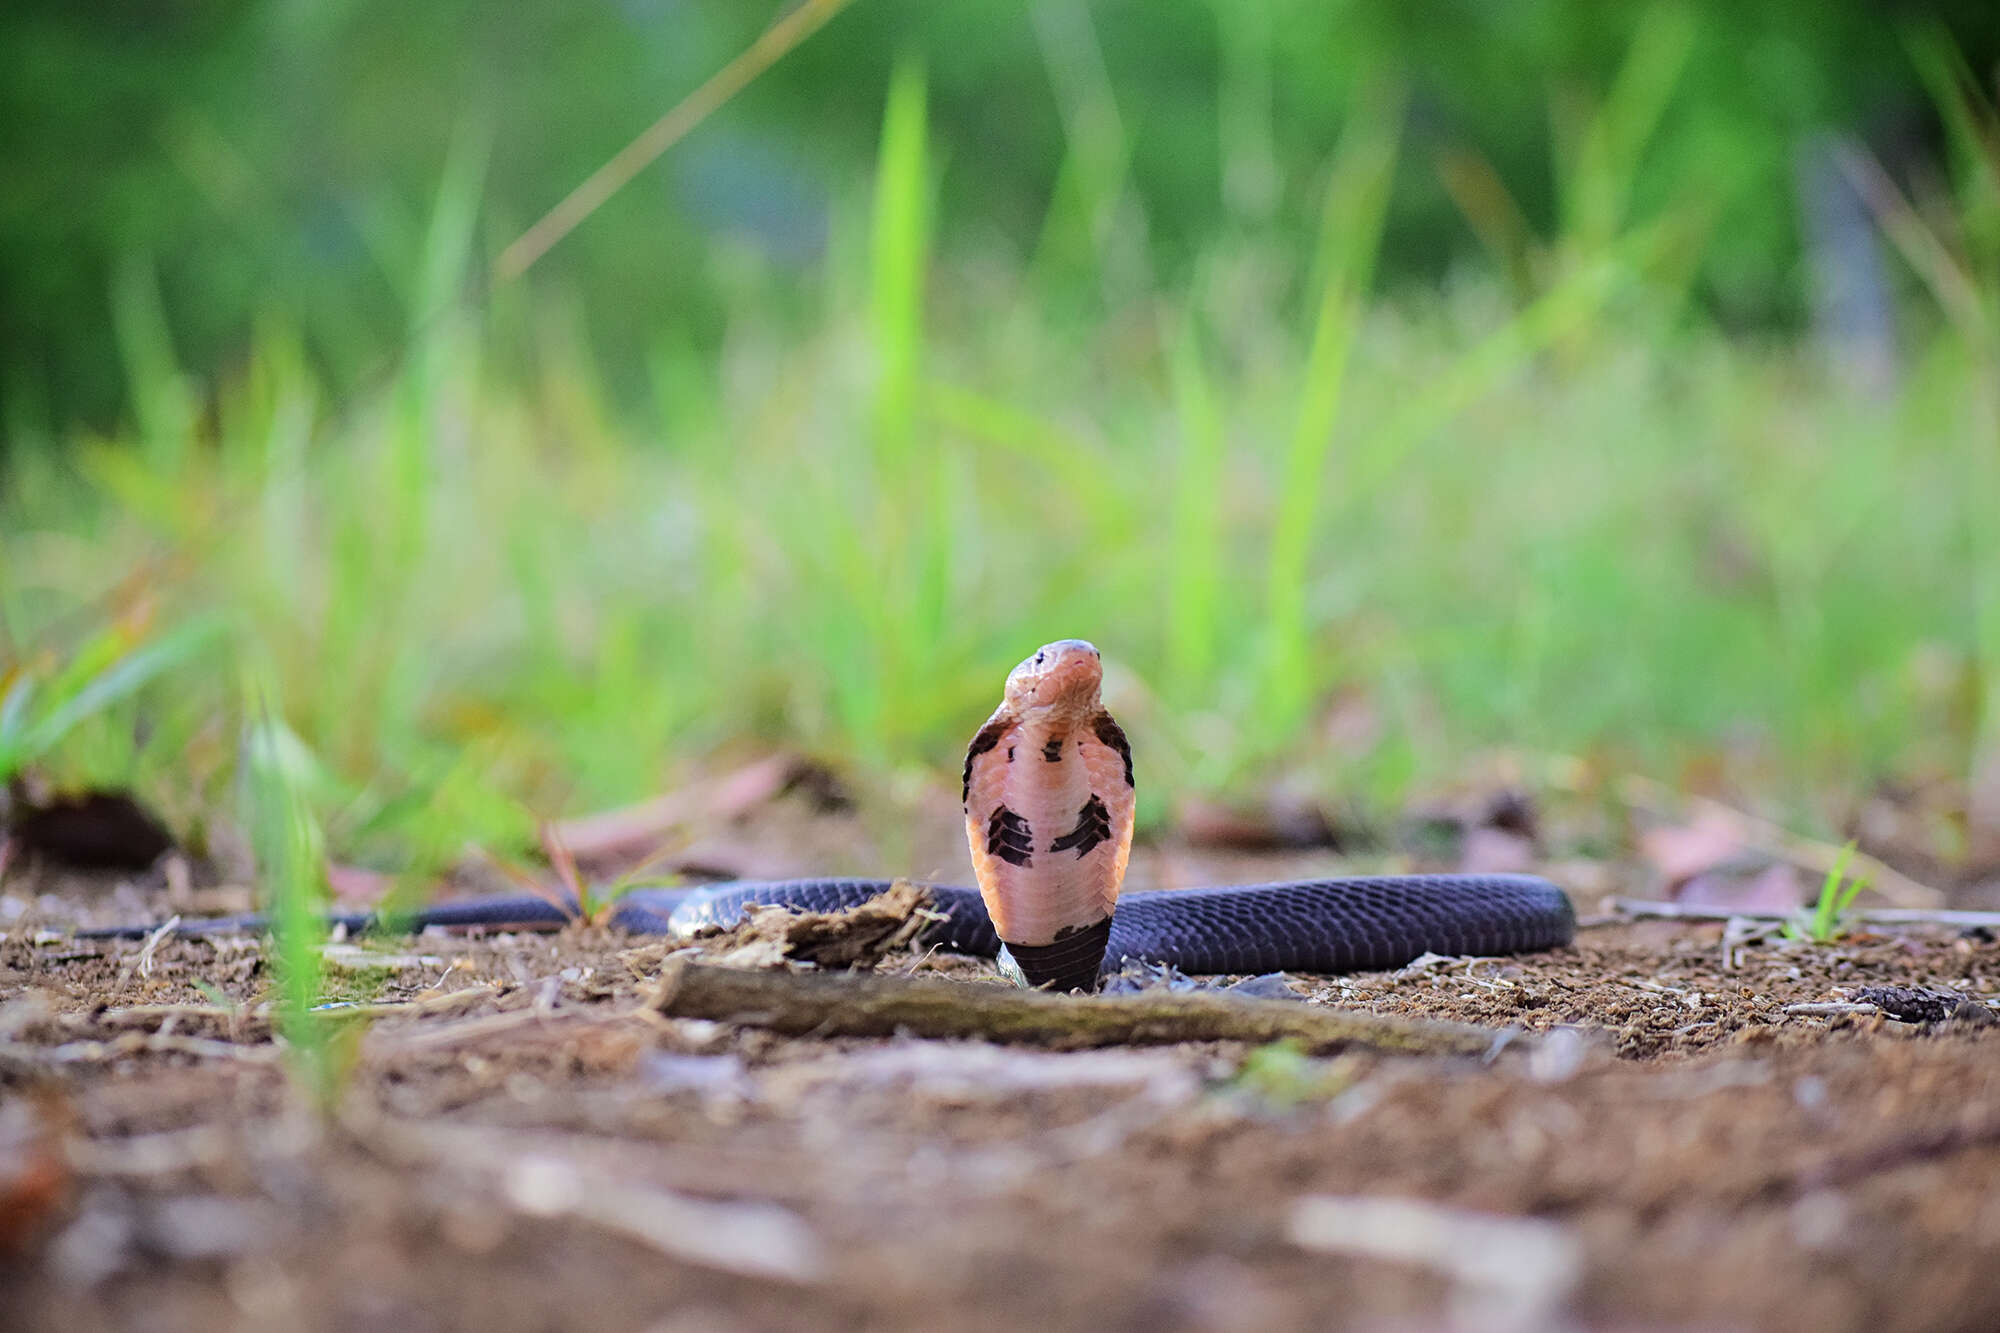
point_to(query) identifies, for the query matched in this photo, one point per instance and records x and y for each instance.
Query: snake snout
(1067, 671)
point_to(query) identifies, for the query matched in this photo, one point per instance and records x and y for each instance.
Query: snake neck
(1073, 962)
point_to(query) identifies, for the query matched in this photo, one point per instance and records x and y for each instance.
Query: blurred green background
(271, 157)
(1381, 386)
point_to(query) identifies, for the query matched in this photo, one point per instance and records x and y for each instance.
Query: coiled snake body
(1048, 805)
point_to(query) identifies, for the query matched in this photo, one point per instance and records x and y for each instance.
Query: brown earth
(523, 1142)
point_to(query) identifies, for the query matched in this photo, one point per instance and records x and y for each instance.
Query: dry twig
(1878, 916)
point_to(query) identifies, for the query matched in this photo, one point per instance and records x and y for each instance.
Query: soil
(519, 1140)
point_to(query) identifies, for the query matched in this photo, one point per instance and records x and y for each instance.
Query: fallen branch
(1877, 916)
(840, 1005)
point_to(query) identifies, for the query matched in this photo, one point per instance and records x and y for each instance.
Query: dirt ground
(524, 1142)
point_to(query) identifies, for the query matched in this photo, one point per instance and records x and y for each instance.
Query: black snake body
(1048, 802)
(1319, 925)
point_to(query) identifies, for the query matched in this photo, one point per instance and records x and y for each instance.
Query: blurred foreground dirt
(523, 1143)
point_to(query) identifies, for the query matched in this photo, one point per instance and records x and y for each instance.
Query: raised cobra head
(1048, 813)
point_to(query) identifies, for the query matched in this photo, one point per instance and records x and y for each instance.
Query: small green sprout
(1825, 922)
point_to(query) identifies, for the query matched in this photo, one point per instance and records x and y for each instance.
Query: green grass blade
(909, 528)
(1972, 130)
(1849, 894)
(1356, 203)
(1571, 304)
(162, 402)
(899, 252)
(1836, 895)
(1095, 224)
(1600, 185)
(116, 682)
(291, 861)
(13, 723)
(1080, 467)
(1194, 571)
(447, 253)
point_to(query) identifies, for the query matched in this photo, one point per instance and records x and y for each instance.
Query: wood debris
(799, 1004)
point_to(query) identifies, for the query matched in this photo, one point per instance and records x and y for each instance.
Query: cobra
(1048, 816)
(1048, 792)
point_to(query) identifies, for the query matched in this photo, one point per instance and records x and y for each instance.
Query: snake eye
(1039, 657)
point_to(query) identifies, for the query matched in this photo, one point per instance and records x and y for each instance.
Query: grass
(1718, 558)
(1327, 536)
(1826, 921)
(42, 703)
(1357, 197)
(1954, 248)
(291, 863)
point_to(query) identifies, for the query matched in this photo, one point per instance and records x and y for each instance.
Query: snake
(1048, 797)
